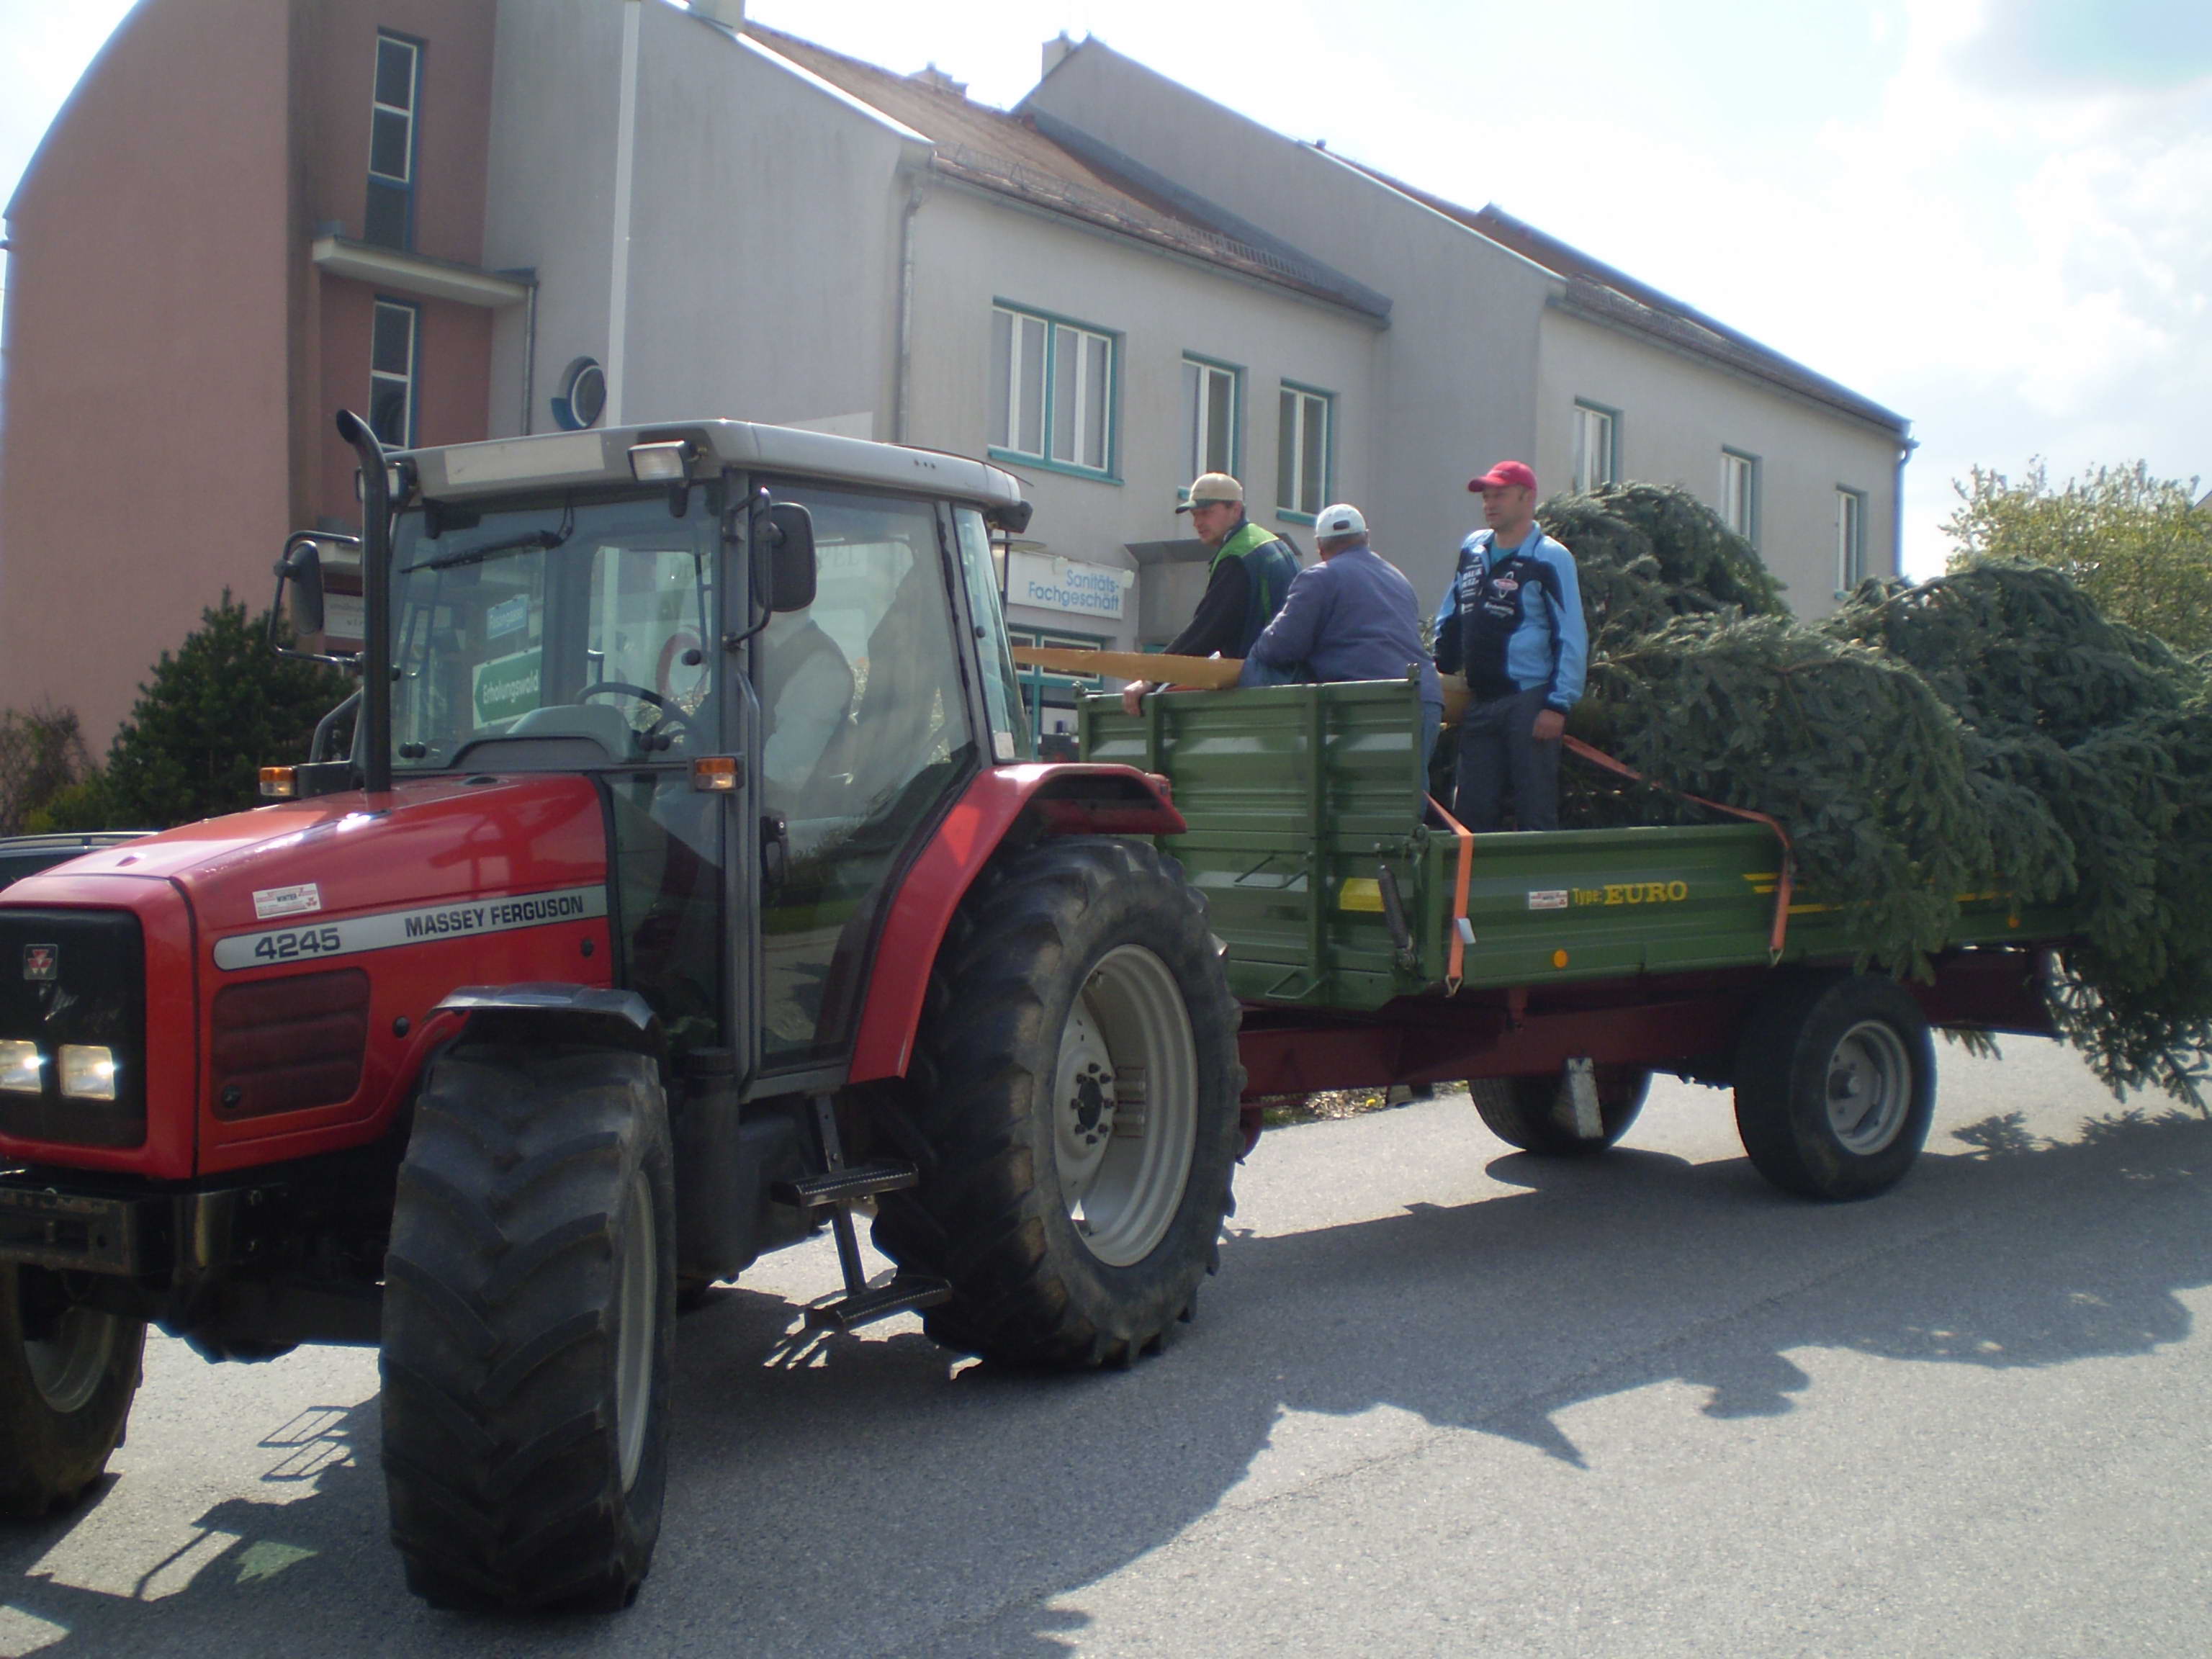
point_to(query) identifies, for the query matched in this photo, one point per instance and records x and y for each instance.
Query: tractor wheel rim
(1869, 1087)
(67, 1367)
(1124, 1106)
(637, 1291)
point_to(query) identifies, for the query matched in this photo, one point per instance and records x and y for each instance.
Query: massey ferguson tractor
(685, 887)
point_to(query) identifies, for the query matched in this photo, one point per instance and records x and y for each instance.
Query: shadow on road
(880, 1496)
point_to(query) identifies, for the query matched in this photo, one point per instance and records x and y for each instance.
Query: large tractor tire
(1835, 1085)
(529, 1328)
(1536, 1114)
(1075, 1112)
(67, 1377)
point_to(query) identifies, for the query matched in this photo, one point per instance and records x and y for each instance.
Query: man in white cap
(1251, 573)
(1353, 617)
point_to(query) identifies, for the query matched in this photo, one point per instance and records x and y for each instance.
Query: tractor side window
(865, 732)
(1002, 691)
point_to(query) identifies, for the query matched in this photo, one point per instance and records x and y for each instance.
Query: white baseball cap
(1341, 519)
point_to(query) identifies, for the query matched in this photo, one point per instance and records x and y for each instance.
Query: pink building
(309, 175)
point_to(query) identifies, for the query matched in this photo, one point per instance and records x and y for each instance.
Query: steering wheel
(670, 714)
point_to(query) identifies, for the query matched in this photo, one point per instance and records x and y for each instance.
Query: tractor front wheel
(1075, 1117)
(67, 1374)
(529, 1328)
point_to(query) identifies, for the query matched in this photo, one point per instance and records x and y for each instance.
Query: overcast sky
(1994, 217)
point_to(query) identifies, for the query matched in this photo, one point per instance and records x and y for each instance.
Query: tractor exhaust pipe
(372, 737)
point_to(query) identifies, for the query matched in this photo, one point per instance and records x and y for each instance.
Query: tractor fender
(548, 1012)
(1021, 802)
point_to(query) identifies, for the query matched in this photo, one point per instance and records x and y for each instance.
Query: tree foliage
(2138, 546)
(217, 709)
(42, 753)
(1991, 729)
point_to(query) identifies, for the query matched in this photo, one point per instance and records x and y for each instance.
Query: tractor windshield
(580, 618)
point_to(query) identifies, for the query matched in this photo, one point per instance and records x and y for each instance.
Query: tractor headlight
(87, 1073)
(22, 1067)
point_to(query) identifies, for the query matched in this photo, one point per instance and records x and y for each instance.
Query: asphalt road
(1442, 1399)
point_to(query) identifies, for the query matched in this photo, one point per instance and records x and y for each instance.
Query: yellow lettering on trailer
(1637, 892)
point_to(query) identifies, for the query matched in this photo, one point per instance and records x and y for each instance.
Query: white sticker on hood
(296, 901)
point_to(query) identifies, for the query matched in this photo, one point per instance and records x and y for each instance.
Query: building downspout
(625, 172)
(903, 369)
(529, 350)
(1905, 448)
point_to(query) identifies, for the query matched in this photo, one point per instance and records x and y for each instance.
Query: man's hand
(1551, 725)
(1133, 695)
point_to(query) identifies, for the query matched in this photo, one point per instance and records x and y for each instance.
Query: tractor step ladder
(835, 1188)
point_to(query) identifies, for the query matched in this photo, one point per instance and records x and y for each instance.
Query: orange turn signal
(715, 773)
(279, 782)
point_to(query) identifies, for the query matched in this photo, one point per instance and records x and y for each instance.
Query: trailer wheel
(1533, 1112)
(529, 1325)
(1835, 1085)
(1076, 1109)
(67, 1375)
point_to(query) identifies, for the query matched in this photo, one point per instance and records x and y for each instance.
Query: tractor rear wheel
(1075, 1116)
(67, 1375)
(1536, 1115)
(529, 1325)
(1835, 1084)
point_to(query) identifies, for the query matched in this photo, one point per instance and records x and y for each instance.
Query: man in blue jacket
(1353, 617)
(1512, 623)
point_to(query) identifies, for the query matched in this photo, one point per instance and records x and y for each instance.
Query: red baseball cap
(1503, 474)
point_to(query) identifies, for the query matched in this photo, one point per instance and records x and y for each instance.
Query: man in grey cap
(1252, 572)
(1353, 617)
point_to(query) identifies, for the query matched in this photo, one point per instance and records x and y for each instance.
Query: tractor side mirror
(299, 597)
(784, 579)
(301, 576)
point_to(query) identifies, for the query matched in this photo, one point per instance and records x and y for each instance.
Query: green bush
(217, 709)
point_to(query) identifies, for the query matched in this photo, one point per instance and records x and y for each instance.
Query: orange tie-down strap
(1458, 929)
(1782, 888)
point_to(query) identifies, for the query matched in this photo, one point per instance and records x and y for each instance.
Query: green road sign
(507, 686)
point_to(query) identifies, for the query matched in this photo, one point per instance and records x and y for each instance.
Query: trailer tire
(529, 1325)
(1074, 973)
(1835, 1085)
(1525, 1112)
(65, 1393)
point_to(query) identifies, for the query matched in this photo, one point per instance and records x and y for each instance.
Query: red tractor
(685, 887)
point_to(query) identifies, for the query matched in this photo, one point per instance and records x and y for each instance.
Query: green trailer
(1373, 941)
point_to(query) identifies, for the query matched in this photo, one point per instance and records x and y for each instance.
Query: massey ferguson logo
(41, 962)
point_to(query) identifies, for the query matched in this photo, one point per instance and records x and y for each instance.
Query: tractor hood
(441, 839)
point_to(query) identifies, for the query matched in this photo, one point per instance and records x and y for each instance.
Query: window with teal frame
(1304, 436)
(1054, 395)
(1212, 416)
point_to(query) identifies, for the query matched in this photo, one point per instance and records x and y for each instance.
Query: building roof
(1009, 155)
(1607, 295)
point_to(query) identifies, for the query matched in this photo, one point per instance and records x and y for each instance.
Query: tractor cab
(779, 656)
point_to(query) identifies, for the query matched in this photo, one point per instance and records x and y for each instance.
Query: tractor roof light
(662, 463)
